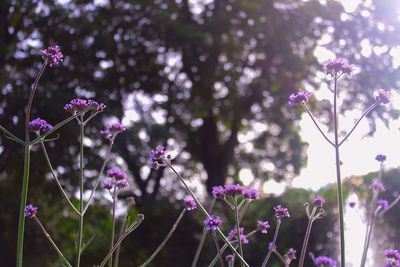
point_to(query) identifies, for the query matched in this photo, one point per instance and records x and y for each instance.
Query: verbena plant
(237, 198)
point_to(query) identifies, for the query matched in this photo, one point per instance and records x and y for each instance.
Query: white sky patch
(246, 176)
(274, 188)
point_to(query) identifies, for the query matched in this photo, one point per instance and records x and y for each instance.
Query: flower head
(383, 203)
(157, 154)
(318, 201)
(377, 186)
(380, 158)
(107, 184)
(323, 261)
(233, 190)
(251, 193)
(78, 104)
(122, 183)
(352, 204)
(382, 96)
(113, 130)
(291, 254)
(212, 222)
(40, 126)
(281, 212)
(232, 236)
(30, 211)
(230, 258)
(263, 226)
(337, 66)
(301, 96)
(392, 258)
(53, 55)
(218, 191)
(116, 174)
(190, 203)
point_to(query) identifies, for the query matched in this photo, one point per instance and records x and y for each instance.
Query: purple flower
(190, 203)
(157, 154)
(324, 261)
(318, 201)
(232, 236)
(117, 174)
(77, 105)
(380, 158)
(337, 66)
(301, 96)
(230, 258)
(291, 254)
(352, 204)
(263, 226)
(392, 258)
(281, 212)
(233, 190)
(382, 96)
(30, 211)
(212, 222)
(377, 186)
(40, 126)
(112, 130)
(383, 203)
(218, 191)
(107, 184)
(251, 193)
(122, 183)
(53, 55)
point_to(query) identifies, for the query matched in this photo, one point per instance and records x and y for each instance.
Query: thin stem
(221, 259)
(165, 239)
(117, 252)
(278, 224)
(338, 178)
(132, 227)
(280, 257)
(306, 237)
(316, 124)
(238, 228)
(397, 199)
(11, 136)
(46, 234)
(110, 262)
(56, 178)
(81, 166)
(99, 176)
(223, 237)
(358, 121)
(202, 238)
(25, 179)
(368, 237)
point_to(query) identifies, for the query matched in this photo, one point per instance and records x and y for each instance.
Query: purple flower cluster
(382, 96)
(380, 158)
(39, 126)
(291, 254)
(383, 203)
(392, 258)
(263, 226)
(190, 204)
(30, 211)
(212, 222)
(230, 258)
(53, 55)
(116, 177)
(116, 173)
(281, 212)
(319, 201)
(337, 66)
(301, 96)
(157, 154)
(232, 236)
(324, 261)
(377, 186)
(235, 190)
(113, 130)
(77, 105)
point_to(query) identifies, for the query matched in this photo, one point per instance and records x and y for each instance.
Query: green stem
(278, 224)
(165, 239)
(11, 136)
(25, 179)
(306, 237)
(221, 259)
(339, 179)
(238, 229)
(223, 237)
(110, 262)
(48, 237)
(81, 166)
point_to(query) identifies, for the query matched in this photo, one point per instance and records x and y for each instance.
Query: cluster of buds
(39, 126)
(392, 258)
(158, 157)
(113, 130)
(78, 105)
(116, 177)
(234, 191)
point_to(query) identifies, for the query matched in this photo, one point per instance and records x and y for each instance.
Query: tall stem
(278, 224)
(81, 166)
(110, 262)
(368, 237)
(238, 229)
(338, 178)
(306, 237)
(25, 179)
(221, 259)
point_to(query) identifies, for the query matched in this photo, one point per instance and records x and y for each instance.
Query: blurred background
(209, 79)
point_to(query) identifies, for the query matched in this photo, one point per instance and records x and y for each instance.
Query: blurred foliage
(208, 79)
